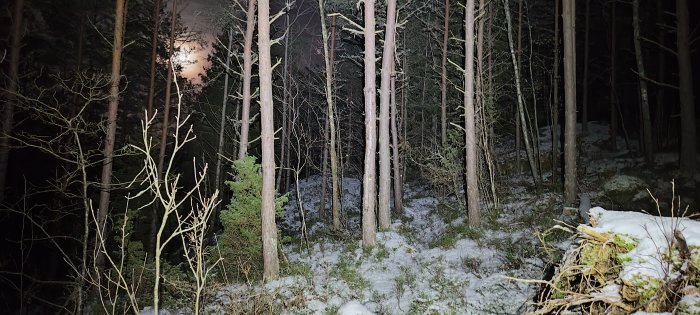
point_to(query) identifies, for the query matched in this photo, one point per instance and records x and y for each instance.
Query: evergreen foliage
(241, 244)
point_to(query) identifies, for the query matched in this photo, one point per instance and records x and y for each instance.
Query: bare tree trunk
(688, 144)
(518, 127)
(396, 161)
(369, 196)
(584, 105)
(269, 229)
(555, 96)
(247, 75)
(335, 194)
(521, 107)
(166, 116)
(613, 106)
(108, 151)
(660, 117)
(469, 119)
(9, 112)
(568, 23)
(154, 56)
(222, 127)
(324, 171)
(284, 141)
(644, 95)
(384, 118)
(443, 77)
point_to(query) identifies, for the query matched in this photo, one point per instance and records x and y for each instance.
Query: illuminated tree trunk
(108, 151)
(685, 74)
(384, 118)
(9, 111)
(154, 57)
(369, 196)
(396, 159)
(568, 23)
(472, 188)
(555, 96)
(166, 115)
(443, 76)
(269, 229)
(247, 75)
(335, 193)
(643, 93)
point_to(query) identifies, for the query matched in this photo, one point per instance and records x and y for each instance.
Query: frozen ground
(429, 261)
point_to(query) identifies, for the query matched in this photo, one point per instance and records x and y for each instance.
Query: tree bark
(568, 23)
(687, 99)
(222, 126)
(396, 158)
(643, 93)
(384, 118)
(518, 126)
(154, 57)
(247, 75)
(335, 194)
(521, 107)
(369, 197)
(269, 229)
(555, 96)
(472, 188)
(443, 76)
(584, 105)
(166, 115)
(9, 111)
(108, 151)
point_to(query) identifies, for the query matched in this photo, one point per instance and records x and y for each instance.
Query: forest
(349, 157)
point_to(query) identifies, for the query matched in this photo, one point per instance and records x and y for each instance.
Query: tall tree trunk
(555, 96)
(269, 229)
(396, 159)
(335, 194)
(521, 107)
(9, 111)
(369, 196)
(154, 57)
(586, 44)
(613, 106)
(568, 23)
(660, 117)
(247, 75)
(685, 74)
(384, 118)
(643, 93)
(166, 115)
(108, 151)
(518, 127)
(443, 76)
(285, 92)
(324, 171)
(472, 188)
(222, 126)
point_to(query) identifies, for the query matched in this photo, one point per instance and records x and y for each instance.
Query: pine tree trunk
(384, 118)
(9, 112)
(108, 151)
(644, 95)
(555, 96)
(472, 188)
(685, 74)
(330, 113)
(443, 76)
(222, 126)
(521, 107)
(568, 23)
(247, 75)
(154, 57)
(369, 196)
(166, 116)
(518, 127)
(269, 229)
(284, 139)
(396, 159)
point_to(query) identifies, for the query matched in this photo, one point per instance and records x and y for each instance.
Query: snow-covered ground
(429, 261)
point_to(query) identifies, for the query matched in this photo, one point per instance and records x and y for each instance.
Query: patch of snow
(354, 308)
